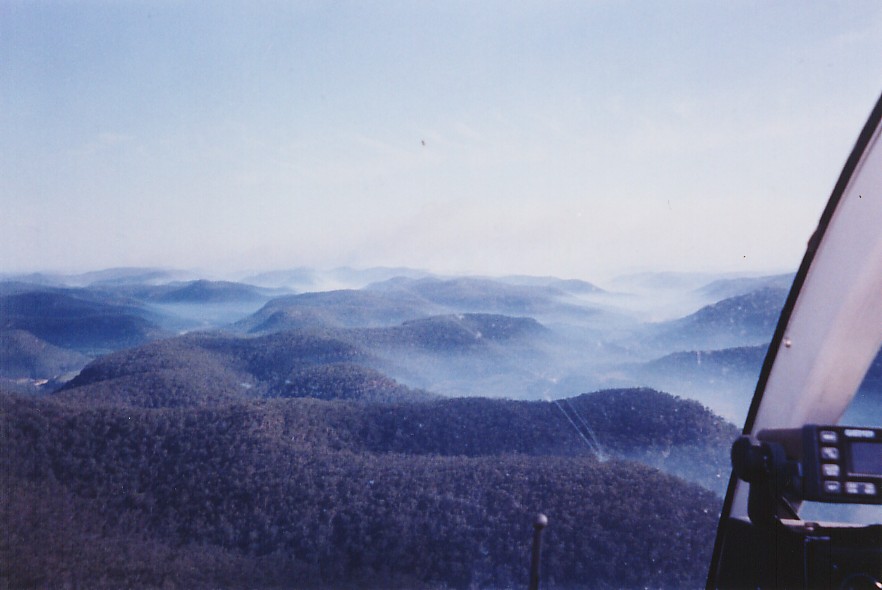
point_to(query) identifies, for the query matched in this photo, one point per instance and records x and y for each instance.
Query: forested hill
(312, 493)
(25, 355)
(747, 319)
(76, 320)
(679, 436)
(207, 368)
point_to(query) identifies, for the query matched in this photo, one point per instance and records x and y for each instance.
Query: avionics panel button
(830, 470)
(830, 437)
(830, 453)
(868, 489)
(832, 487)
(860, 488)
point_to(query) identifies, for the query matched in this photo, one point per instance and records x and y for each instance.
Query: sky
(577, 139)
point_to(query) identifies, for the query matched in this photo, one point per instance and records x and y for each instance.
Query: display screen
(866, 458)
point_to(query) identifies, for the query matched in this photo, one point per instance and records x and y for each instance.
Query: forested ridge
(677, 435)
(301, 492)
(25, 355)
(77, 320)
(520, 337)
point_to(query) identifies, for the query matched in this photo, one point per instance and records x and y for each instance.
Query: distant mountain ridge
(72, 320)
(198, 291)
(107, 277)
(733, 287)
(476, 295)
(455, 333)
(748, 319)
(743, 359)
(203, 291)
(343, 308)
(311, 279)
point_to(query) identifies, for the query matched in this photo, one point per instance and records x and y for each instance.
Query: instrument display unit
(842, 464)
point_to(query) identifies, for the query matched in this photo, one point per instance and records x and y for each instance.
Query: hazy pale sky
(569, 138)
